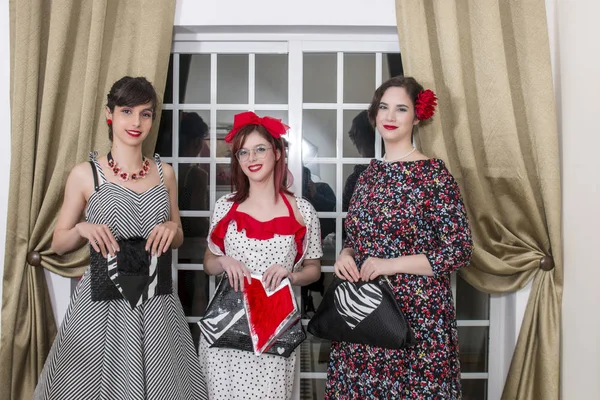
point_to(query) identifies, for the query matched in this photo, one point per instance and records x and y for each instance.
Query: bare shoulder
(299, 205)
(81, 179)
(82, 173)
(168, 172)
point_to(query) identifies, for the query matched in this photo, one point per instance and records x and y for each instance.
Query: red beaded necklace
(125, 176)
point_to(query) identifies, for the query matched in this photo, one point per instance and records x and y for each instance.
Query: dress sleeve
(314, 249)
(214, 238)
(453, 245)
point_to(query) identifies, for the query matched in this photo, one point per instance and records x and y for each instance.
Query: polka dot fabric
(400, 209)
(236, 374)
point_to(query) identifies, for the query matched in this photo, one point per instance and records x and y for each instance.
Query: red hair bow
(273, 125)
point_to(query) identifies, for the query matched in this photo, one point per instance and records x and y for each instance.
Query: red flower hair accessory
(273, 125)
(425, 106)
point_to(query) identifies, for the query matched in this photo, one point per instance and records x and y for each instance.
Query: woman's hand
(274, 275)
(161, 237)
(236, 271)
(99, 236)
(374, 267)
(345, 267)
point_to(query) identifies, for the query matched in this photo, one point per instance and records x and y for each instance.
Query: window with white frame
(318, 87)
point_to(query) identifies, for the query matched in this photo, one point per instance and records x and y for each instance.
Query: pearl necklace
(401, 158)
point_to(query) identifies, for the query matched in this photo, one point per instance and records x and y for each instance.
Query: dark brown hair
(412, 87)
(131, 92)
(362, 134)
(239, 181)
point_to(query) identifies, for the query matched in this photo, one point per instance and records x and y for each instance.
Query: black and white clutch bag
(362, 312)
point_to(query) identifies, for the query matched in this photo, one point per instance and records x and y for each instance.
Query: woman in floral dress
(406, 220)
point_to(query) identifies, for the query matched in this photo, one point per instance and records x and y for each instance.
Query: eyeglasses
(259, 151)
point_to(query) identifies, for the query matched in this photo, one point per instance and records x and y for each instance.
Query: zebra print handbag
(362, 312)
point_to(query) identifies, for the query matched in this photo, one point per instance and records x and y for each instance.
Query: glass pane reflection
(322, 85)
(359, 77)
(319, 133)
(473, 347)
(194, 78)
(271, 78)
(195, 230)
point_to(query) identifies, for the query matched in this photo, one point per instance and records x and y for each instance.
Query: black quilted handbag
(362, 312)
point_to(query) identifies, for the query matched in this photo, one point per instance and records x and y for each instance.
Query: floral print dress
(400, 209)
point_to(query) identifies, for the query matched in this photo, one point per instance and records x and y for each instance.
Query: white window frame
(502, 336)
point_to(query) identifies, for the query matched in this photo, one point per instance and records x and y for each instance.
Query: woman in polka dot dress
(260, 228)
(406, 220)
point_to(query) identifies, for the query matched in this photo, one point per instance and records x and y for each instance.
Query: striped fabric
(356, 304)
(105, 349)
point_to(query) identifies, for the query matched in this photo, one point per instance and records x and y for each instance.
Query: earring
(109, 121)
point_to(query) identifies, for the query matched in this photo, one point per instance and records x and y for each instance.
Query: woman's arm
(212, 266)
(69, 233)
(235, 270)
(171, 185)
(453, 245)
(311, 272)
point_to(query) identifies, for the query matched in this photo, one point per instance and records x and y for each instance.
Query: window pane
(194, 133)
(271, 78)
(329, 234)
(232, 78)
(358, 135)
(194, 78)
(194, 240)
(473, 347)
(312, 295)
(312, 389)
(314, 354)
(351, 173)
(392, 66)
(320, 78)
(193, 192)
(192, 287)
(164, 141)
(168, 96)
(319, 132)
(318, 186)
(359, 78)
(224, 125)
(223, 186)
(474, 389)
(470, 302)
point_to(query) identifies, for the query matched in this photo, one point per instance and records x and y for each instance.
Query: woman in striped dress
(124, 335)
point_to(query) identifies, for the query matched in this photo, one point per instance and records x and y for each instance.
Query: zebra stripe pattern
(355, 304)
(213, 328)
(106, 349)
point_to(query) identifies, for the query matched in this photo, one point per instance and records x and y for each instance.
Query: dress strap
(287, 203)
(95, 173)
(98, 172)
(159, 166)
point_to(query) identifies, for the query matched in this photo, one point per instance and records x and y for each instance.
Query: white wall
(278, 12)
(577, 52)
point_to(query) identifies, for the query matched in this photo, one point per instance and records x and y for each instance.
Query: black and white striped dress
(106, 349)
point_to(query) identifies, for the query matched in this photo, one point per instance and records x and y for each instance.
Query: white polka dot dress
(236, 374)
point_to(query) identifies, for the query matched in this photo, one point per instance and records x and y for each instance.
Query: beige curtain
(489, 63)
(65, 54)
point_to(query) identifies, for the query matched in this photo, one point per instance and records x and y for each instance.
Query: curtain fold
(489, 63)
(65, 54)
